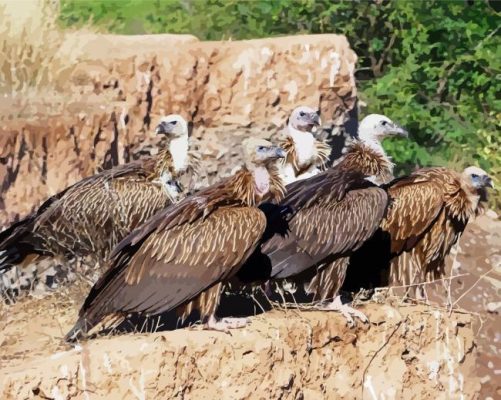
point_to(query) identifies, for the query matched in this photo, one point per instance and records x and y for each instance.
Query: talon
(346, 311)
(236, 323)
(225, 324)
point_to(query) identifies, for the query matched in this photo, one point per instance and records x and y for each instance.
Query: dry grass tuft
(29, 45)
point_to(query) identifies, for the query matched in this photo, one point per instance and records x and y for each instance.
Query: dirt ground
(34, 361)
(282, 354)
(479, 291)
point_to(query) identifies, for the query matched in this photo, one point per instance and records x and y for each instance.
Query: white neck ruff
(304, 144)
(178, 148)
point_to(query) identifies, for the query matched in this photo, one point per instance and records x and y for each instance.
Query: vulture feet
(225, 324)
(346, 311)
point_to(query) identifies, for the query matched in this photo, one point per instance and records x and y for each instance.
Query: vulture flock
(284, 216)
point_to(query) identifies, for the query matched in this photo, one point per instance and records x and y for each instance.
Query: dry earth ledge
(407, 352)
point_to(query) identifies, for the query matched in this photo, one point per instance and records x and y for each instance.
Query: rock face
(407, 352)
(108, 103)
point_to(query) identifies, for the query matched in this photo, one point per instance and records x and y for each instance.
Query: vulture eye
(474, 176)
(260, 148)
(173, 122)
(384, 123)
(301, 113)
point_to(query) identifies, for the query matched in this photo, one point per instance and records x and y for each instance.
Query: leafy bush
(433, 66)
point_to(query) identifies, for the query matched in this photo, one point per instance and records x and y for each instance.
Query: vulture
(181, 257)
(428, 212)
(322, 220)
(90, 217)
(306, 155)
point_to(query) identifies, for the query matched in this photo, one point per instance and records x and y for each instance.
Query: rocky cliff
(107, 102)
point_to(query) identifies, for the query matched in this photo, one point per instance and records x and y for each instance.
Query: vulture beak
(487, 181)
(315, 118)
(162, 128)
(278, 152)
(398, 131)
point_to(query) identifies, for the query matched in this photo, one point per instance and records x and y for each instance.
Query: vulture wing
(181, 252)
(58, 218)
(328, 215)
(327, 230)
(415, 204)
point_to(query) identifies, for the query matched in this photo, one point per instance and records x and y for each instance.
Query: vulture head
(260, 152)
(172, 126)
(479, 180)
(377, 127)
(304, 119)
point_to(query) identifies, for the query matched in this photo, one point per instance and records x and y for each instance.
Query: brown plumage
(429, 210)
(370, 163)
(180, 257)
(319, 159)
(319, 223)
(365, 156)
(90, 217)
(360, 157)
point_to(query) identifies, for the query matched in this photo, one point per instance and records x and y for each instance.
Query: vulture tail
(78, 332)
(87, 327)
(17, 245)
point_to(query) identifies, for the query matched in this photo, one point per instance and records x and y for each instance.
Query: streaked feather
(182, 254)
(93, 215)
(429, 210)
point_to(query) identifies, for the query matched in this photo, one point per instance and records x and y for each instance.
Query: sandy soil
(408, 350)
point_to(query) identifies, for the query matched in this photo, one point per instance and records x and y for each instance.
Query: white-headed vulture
(90, 217)
(429, 210)
(306, 155)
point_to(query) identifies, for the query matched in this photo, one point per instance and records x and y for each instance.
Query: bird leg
(225, 324)
(346, 311)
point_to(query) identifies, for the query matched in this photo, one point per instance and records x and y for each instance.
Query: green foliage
(432, 66)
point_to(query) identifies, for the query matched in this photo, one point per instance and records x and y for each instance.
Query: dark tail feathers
(78, 332)
(15, 244)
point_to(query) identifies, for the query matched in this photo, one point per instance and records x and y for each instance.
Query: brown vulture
(322, 220)
(90, 217)
(180, 258)
(306, 155)
(428, 212)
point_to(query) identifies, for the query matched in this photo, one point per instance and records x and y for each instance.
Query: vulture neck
(250, 185)
(473, 196)
(173, 159)
(370, 161)
(178, 148)
(304, 144)
(373, 143)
